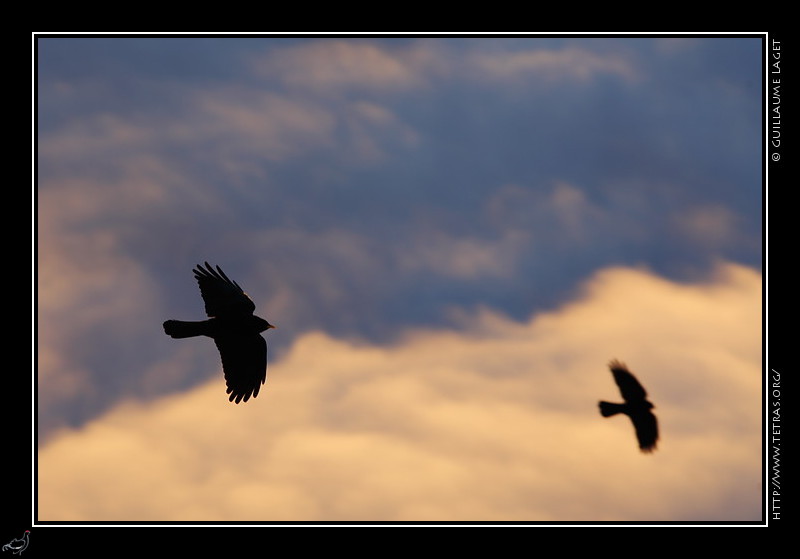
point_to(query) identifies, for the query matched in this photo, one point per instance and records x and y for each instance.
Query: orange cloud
(347, 63)
(492, 420)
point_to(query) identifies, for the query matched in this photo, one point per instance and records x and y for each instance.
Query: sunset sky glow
(454, 236)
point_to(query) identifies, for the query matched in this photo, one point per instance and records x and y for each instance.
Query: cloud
(382, 66)
(553, 65)
(264, 123)
(561, 212)
(464, 258)
(492, 419)
(92, 299)
(336, 64)
(709, 225)
(229, 123)
(676, 45)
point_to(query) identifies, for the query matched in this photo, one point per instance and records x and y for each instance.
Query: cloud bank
(493, 419)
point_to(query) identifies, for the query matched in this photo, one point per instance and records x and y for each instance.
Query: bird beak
(271, 326)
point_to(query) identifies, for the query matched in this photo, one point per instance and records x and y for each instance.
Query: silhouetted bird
(636, 406)
(235, 330)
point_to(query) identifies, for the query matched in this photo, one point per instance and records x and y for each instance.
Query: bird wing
(222, 296)
(629, 387)
(646, 426)
(244, 362)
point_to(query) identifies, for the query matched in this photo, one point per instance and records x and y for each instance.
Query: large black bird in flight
(233, 327)
(636, 406)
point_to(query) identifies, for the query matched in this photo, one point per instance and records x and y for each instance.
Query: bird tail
(184, 329)
(607, 409)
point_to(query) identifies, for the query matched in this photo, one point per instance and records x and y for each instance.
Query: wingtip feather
(616, 364)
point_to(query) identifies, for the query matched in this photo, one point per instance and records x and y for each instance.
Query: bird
(636, 406)
(236, 331)
(18, 545)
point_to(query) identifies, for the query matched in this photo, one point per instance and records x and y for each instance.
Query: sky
(453, 236)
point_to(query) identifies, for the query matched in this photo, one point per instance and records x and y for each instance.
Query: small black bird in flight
(233, 327)
(636, 406)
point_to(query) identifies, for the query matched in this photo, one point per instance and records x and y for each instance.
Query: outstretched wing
(222, 296)
(646, 427)
(244, 362)
(629, 387)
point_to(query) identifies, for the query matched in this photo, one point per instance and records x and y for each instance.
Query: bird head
(263, 324)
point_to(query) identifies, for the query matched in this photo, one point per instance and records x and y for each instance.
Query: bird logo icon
(18, 545)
